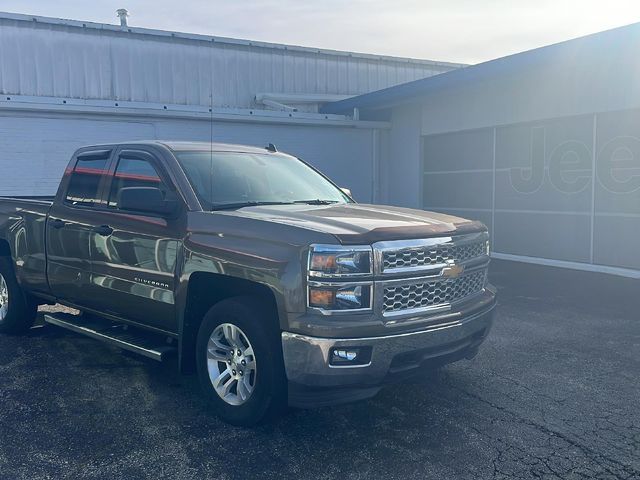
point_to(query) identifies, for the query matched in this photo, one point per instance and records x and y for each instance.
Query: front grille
(431, 294)
(432, 255)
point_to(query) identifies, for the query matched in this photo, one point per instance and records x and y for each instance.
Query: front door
(133, 254)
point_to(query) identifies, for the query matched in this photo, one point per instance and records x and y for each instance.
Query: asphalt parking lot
(554, 393)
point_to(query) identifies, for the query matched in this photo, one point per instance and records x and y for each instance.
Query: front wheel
(17, 314)
(239, 360)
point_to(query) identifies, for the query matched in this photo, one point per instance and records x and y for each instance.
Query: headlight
(338, 261)
(330, 268)
(340, 297)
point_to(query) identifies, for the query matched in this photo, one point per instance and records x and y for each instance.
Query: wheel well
(5, 249)
(207, 289)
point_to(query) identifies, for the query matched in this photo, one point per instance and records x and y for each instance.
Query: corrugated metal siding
(54, 59)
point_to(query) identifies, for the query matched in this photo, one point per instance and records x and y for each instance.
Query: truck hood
(360, 223)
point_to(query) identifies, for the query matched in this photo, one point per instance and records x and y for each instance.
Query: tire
(251, 375)
(17, 314)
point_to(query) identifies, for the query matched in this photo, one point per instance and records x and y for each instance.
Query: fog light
(350, 356)
(345, 354)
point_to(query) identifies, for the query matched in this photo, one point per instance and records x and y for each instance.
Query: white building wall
(36, 146)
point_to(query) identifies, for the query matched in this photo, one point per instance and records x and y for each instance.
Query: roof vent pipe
(123, 14)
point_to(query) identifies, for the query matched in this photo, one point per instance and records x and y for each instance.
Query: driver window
(133, 172)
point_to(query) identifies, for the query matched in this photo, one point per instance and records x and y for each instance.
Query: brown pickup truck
(248, 266)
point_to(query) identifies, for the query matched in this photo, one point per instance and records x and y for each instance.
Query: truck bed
(23, 223)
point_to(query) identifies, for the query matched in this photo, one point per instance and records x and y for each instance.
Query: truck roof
(198, 146)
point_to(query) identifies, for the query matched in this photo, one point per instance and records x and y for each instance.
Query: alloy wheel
(4, 298)
(231, 364)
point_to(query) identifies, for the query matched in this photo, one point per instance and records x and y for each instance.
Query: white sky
(467, 31)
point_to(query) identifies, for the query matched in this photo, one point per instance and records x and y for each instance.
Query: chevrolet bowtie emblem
(452, 271)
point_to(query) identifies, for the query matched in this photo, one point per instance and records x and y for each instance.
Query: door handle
(57, 223)
(104, 230)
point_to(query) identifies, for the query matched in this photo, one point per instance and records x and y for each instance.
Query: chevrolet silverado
(249, 267)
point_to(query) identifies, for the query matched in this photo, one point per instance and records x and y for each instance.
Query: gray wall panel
(617, 190)
(458, 190)
(527, 145)
(546, 189)
(546, 197)
(554, 236)
(618, 162)
(471, 150)
(616, 241)
(545, 165)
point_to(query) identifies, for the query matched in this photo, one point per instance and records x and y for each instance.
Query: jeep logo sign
(569, 167)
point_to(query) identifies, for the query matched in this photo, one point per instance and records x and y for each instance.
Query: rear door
(134, 254)
(70, 225)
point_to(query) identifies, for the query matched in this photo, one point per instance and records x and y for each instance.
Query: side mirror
(145, 199)
(346, 191)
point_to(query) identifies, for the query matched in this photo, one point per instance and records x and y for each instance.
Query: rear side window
(84, 184)
(133, 172)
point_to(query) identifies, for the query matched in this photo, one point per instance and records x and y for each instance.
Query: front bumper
(314, 381)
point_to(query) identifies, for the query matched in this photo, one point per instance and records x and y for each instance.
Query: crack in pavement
(586, 450)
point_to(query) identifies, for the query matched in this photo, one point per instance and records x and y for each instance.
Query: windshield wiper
(317, 201)
(231, 206)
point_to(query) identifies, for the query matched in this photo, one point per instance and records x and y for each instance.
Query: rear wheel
(239, 361)
(17, 314)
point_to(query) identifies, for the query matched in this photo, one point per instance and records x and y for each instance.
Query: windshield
(231, 179)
